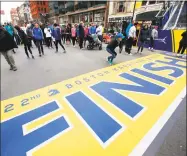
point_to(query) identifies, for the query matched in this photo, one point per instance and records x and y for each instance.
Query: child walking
(112, 46)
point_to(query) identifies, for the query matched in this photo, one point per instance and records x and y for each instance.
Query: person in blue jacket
(56, 33)
(92, 29)
(38, 37)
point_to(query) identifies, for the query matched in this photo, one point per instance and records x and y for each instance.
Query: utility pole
(133, 11)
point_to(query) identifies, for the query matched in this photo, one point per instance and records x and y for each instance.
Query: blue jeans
(113, 53)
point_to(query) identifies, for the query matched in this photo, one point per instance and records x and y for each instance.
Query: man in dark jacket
(6, 45)
(81, 34)
(144, 36)
(25, 41)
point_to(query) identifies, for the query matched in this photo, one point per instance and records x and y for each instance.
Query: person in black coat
(182, 43)
(144, 36)
(25, 41)
(81, 34)
(6, 45)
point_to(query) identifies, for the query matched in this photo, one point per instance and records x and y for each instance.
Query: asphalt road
(55, 67)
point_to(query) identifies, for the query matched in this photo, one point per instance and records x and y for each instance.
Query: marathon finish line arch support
(114, 111)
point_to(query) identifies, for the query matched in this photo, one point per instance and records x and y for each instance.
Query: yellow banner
(177, 37)
(115, 111)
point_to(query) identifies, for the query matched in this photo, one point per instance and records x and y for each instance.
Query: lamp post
(133, 11)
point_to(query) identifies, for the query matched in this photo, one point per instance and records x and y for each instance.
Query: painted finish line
(114, 111)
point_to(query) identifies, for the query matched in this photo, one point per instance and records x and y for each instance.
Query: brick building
(14, 16)
(39, 9)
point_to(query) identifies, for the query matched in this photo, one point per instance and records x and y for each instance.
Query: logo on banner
(163, 40)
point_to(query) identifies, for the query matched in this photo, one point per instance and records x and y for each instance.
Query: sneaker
(110, 62)
(74, 46)
(32, 57)
(64, 51)
(56, 51)
(14, 69)
(130, 54)
(11, 68)
(149, 48)
(40, 55)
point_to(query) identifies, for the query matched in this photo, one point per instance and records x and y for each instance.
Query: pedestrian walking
(29, 34)
(48, 35)
(112, 46)
(182, 44)
(6, 45)
(131, 33)
(77, 33)
(9, 28)
(63, 32)
(68, 34)
(86, 32)
(99, 32)
(154, 35)
(92, 29)
(38, 36)
(144, 37)
(73, 35)
(81, 34)
(25, 41)
(56, 33)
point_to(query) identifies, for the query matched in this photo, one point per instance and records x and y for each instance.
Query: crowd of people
(55, 35)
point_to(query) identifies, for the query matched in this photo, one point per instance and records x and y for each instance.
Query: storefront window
(152, 2)
(99, 16)
(144, 2)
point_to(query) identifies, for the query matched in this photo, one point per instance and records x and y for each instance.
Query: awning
(146, 16)
(120, 18)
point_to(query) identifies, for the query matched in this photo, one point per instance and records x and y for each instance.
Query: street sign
(115, 111)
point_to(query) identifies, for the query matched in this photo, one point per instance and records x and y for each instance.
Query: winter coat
(29, 32)
(9, 29)
(73, 32)
(56, 33)
(128, 28)
(37, 33)
(92, 30)
(23, 37)
(6, 41)
(154, 34)
(81, 31)
(144, 35)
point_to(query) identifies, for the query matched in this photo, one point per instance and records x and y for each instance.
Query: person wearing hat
(112, 46)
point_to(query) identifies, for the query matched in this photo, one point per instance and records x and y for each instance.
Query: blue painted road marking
(11, 131)
(102, 124)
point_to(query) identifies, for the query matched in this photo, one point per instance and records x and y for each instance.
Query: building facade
(14, 16)
(86, 11)
(20, 11)
(39, 9)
